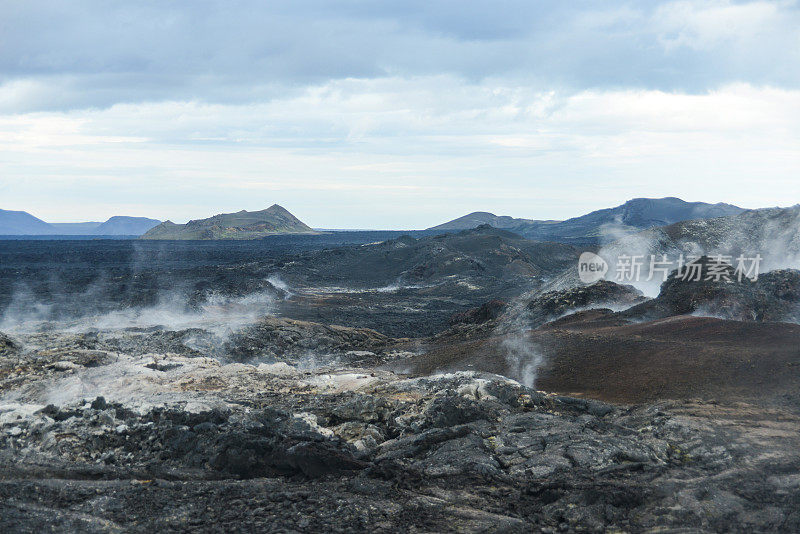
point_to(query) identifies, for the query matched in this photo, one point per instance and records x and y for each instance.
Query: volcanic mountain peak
(124, 225)
(240, 225)
(478, 218)
(602, 225)
(645, 212)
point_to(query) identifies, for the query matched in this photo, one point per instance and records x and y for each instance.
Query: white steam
(278, 283)
(523, 358)
(772, 234)
(217, 314)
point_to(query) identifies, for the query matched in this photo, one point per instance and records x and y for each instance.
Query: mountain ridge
(23, 223)
(604, 225)
(240, 225)
(125, 225)
(478, 218)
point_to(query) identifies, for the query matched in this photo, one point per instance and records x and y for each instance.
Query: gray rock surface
(118, 442)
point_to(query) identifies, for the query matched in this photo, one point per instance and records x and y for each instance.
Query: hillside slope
(485, 253)
(121, 225)
(601, 226)
(240, 225)
(478, 218)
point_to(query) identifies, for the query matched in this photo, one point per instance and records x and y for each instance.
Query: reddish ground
(676, 358)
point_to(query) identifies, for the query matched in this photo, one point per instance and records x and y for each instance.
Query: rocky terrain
(481, 255)
(429, 384)
(536, 308)
(771, 233)
(403, 287)
(103, 441)
(774, 296)
(716, 340)
(409, 287)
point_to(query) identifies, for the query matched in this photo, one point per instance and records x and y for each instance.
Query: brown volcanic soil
(683, 357)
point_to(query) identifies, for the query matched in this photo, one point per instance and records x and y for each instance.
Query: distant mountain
(240, 225)
(608, 224)
(121, 225)
(23, 223)
(478, 218)
(773, 234)
(80, 228)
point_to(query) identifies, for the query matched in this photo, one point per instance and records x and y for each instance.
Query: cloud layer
(405, 113)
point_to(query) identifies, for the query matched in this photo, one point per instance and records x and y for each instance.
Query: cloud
(402, 153)
(394, 114)
(65, 55)
(708, 25)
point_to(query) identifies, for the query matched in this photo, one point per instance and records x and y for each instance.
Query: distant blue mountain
(121, 225)
(23, 223)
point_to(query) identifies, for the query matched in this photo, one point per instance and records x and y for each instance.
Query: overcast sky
(394, 114)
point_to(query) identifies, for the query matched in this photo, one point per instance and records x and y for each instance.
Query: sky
(373, 114)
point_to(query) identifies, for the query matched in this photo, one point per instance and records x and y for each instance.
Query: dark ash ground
(360, 389)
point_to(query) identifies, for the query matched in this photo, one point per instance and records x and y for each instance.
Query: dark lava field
(385, 382)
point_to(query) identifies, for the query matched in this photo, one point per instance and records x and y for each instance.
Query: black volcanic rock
(782, 284)
(772, 233)
(7, 345)
(277, 339)
(534, 310)
(483, 313)
(553, 304)
(465, 452)
(773, 297)
(684, 296)
(482, 253)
